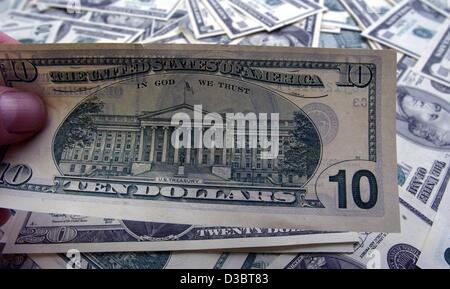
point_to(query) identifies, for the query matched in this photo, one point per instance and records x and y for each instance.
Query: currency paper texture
(231, 136)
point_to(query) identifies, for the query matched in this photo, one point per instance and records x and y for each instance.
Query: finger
(5, 214)
(22, 114)
(6, 39)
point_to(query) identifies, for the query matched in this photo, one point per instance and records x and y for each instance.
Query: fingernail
(21, 112)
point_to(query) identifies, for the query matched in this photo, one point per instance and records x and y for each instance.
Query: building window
(116, 159)
(105, 159)
(118, 146)
(291, 179)
(128, 146)
(205, 159)
(216, 159)
(280, 178)
(72, 168)
(125, 170)
(96, 158)
(85, 157)
(126, 160)
(269, 164)
(75, 156)
(258, 165)
(238, 176)
(99, 144)
(108, 145)
(114, 169)
(83, 169)
(104, 168)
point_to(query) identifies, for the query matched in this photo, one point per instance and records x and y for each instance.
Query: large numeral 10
(340, 178)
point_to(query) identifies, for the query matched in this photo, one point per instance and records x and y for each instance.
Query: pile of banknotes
(417, 30)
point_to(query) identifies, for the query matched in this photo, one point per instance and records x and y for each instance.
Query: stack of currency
(55, 234)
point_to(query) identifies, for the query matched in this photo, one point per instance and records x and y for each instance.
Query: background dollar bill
(337, 16)
(366, 13)
(435, 63)
(343, 39)
(406, 22)
(129, 260)
(16, 261)
(32, 32)
(276, 15)
(423, 179)
(11, 4)
(191, 88)
(202, 20)
(442, 6)
(76, 31)
(158, 9)
(436, 253)
(235, 23)
(374, 250)
(57, 233)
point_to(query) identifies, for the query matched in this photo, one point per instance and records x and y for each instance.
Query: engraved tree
(301, 149)
(78, 128)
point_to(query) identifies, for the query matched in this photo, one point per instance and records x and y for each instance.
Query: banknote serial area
(309, 134)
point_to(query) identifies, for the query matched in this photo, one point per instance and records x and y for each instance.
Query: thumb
(22, 114)
(4, 216)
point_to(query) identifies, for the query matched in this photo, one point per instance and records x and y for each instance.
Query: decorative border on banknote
(416, 212)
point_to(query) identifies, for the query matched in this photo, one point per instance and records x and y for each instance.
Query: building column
(224, 148)
(200, 152)
(188, 155)
(164, 152)
(211, 156)
(175, 153)
(254, 159)
(141, 145)
(224, 156)
(152, 144)
(200, 156)
(243, 156)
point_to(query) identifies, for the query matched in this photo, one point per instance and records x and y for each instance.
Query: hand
(22, 114)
